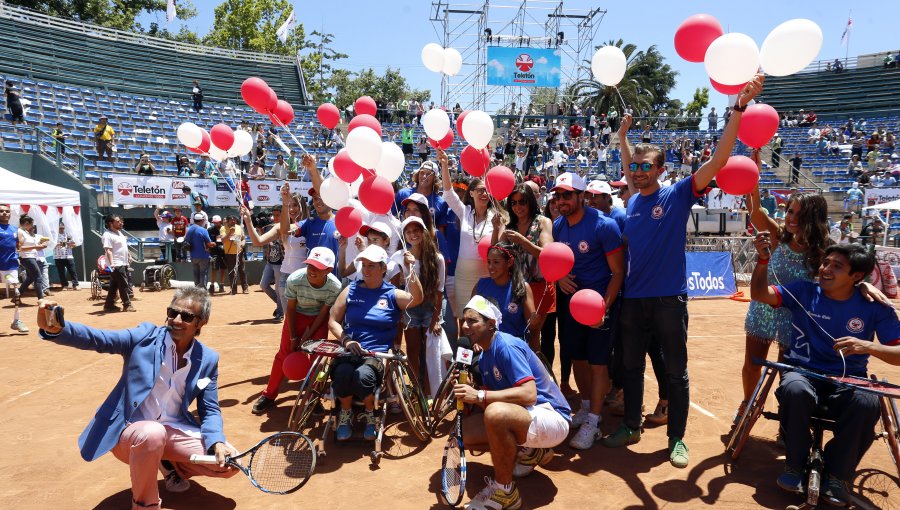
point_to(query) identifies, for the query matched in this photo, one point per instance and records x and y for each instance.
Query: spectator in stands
(854, 199)
(856, 144)
(272, 136)
(646, 136)
(813, 135)
(712, 119)
(796, 162)
(767, 201)
(833, 147)
(884, 163)
(279, 169)
(873, 142)
(872, 158)
(663, 119)
(205, 167)
(59, 138)
(183, 165)
(293, 164)
(888, 61)
(873, 232)
(197, 96)
(257, 171)
(422, 149)
(14, 104)
(777, 145)
(337, 139)
(575, 130)
(810, 119)
(837, 66)
(144, 166)
(888, 143)
(259, 153)
(105, 137)
(855, 168)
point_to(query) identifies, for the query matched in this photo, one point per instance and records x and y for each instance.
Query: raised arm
(759, 282)
(260, 240)
(453, 201)
(625, 151)
(761, 221)
(309, 163)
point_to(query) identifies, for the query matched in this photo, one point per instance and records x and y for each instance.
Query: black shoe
(212, 288)
(110, 308)
(262, 404)
(835, 493)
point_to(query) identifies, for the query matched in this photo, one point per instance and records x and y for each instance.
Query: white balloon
(217, 154)
(452, 62)
(243, 143)
(392, 162)
(608, 65)
(433, 57)
(436, 123)
(732, 59)
(354, 191)
(331, 165)
(335, 192)
(790, 47)
(364, 146)
(190, 134)
(478, 128)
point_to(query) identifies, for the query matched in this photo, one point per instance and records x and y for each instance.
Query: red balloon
(444, 143)
(364, 120)
(222, 136)
(474, 161)
(345, 168)
(556, 260)
(258, 95)
(459, 121)
(365, 106)
(328, 115)
(348, 220)
(695, 35)
(484, 245)
(739, 175)
(205, 143)
(283, 114)
(587, 307)
(728, 90)
(296, 365)
(758, 124)
(500, 182)
(376, 194)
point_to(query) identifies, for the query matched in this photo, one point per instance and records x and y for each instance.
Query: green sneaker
(624, 436)
(678, 452)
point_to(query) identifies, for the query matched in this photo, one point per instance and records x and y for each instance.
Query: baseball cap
(428, 165)
(618, 184)
(321, 257)
(199, 217)
(569, 182)
(378, 226)
(412, 219)
(165, 214)
(417, 198)
(373, 253)
(216, 219)
(599, 188)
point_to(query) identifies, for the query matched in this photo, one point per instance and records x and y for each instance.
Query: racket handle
(203, 459)
(463, 379)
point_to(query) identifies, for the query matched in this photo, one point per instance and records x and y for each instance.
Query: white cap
(599, 188)
(373, 253)
(485, 308)
(429, 165)
(569, 182)
(321, 257)
(378, 226)
(199, 217)
(216, 218)
(412, 219)
(417, 198)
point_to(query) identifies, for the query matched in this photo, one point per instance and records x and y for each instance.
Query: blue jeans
(201, 272)
(270, 272)
(282, 284)
(32, 276)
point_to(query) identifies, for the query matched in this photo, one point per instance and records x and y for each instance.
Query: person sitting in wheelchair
(365, 317)
(833, 331)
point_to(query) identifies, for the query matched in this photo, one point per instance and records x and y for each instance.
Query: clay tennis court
(48, 393)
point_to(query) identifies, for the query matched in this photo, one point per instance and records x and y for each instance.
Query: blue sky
(392, 33)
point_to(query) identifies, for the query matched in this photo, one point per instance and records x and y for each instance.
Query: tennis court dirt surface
(48, 393)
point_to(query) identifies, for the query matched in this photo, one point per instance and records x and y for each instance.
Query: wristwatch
(738, 108)
(482, 395)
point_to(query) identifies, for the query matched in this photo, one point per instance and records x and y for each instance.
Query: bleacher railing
(66, 157)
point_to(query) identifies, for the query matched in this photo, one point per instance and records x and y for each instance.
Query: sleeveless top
(372, 316)
(295, 252)
(774, 324)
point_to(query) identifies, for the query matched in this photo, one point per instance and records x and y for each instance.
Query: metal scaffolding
(472, 27)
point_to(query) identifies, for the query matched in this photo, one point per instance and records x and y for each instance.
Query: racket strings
(452, 472)
(282, 463)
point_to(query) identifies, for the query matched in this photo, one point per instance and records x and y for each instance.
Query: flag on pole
(845, 37)
(170, 11)
(286, 27)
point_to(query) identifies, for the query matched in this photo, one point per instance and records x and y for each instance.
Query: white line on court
(696, 406)
(54, 381)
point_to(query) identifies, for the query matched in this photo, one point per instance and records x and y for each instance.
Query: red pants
(301, 322)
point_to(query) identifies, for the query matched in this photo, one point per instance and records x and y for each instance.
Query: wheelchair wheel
(889, 425)
(442, 405)
(751, 413)
(311, 392)
(412, 399)
(167, 274)
(96, 286)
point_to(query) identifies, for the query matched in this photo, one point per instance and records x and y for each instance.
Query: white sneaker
(585, 437)
(19, 326)
(580, 417)
(525, 463)
(174, 482)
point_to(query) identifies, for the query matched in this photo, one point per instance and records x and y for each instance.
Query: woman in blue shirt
(365, 317)
(505, 286)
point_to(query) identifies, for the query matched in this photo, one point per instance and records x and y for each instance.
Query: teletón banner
(710, 274)
(168, 191)
(523, 67)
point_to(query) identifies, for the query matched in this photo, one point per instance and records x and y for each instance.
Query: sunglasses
(185, 316)
(643, 167)
(565, 195)
(480, 191)
(517, 202)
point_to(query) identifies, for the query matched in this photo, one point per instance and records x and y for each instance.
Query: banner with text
(169, 191)
(523, 67)
(876, 196)
(710, 274)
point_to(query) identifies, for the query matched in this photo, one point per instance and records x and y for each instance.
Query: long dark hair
(530, 200)
(516, 278)
(428, 269)
(813, 228)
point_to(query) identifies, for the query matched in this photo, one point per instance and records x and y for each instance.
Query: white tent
(46, 203)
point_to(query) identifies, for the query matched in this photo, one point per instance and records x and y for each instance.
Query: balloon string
(624, 107)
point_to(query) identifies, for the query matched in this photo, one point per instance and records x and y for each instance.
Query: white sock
(16, 314)
(504, 487)
(585, 404)
(592, 419)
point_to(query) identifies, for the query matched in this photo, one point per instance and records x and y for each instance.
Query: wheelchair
(820, 422)
(158, 276)
(398, 384)
(100, 278)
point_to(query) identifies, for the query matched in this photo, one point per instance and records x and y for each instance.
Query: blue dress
(765, 323)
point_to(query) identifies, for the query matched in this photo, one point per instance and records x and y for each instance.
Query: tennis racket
(334, 349)
(453, 465)
(882, 388)
(279, 464)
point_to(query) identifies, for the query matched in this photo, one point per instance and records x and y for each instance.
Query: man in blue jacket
(145, 420)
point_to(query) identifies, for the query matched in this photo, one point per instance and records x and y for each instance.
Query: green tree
(391, 86)
(321, 59)
(250, 25)
(119, 14)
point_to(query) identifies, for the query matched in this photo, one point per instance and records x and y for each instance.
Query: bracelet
(738, 108)
(762, 261)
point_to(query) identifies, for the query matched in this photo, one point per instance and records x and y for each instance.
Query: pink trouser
(144, 444)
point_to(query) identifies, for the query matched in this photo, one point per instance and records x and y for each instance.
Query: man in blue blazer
(145, 420)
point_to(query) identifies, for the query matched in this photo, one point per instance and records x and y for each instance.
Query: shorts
(548, 428)
(9, 277)
(582, 342)
(407, 148)
(418, 316)
(544, 296)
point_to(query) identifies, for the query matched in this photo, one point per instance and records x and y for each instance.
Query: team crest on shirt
(497, 375)
(855, 325)
(657, 212)
(382, 303)
(583, 246)
(512, 307)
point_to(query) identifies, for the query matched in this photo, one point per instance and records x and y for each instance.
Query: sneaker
(624, 436)
(678, 452)
(262, 404)
(616, 395)
(370, 433)
(835, 493)
(526, 462)
(245, 290)
(394, 407)
(344, 428)
(279, 318)
(791, 480)
(579, 417)
(130, 308)
(174, 482)
(110, 308)
(493, 498)
(660, 415)
(585, 437)
(19, 326)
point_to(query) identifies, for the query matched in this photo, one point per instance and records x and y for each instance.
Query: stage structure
(509, 48)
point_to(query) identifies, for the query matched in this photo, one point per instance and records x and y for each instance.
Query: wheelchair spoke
(412, 400)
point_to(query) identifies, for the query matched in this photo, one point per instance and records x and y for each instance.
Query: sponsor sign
(710, 274)
(523, 67)
(169, 191)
